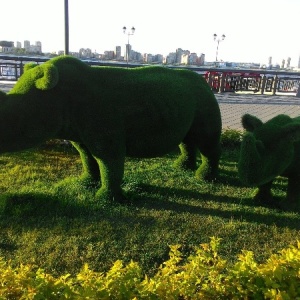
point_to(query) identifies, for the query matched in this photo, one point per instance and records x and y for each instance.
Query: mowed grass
(48, 219)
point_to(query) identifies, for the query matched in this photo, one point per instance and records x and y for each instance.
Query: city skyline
(179, 56)
(253, 33)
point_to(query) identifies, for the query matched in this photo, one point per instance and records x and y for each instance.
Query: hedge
(203, 275)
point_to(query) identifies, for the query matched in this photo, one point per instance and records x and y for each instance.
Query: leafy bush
(203, 275)
(231, 138)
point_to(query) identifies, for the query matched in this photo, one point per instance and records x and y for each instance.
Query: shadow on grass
(245, 210)
(33, 209)
(28, 208)
(26, 205)
(229, 178)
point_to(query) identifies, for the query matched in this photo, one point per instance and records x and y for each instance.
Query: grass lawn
(48, 219)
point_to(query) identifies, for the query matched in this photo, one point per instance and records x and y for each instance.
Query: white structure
(27, 45)
(201, 59)
(6, 47)
(36, 48)
(193, 59)
(85, 52)
(171, 58)
(18, 45)
(148, 58)
(118, 54)
(288, 63)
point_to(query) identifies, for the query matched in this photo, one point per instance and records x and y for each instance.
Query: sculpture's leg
(109, 152)
(112, 171)
(264, 195)
(91, 172)
(187, 158)
(293, 195)
(209, 167)
(210, 149)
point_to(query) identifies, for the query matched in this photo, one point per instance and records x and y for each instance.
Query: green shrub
(203, 275)
(231, 138)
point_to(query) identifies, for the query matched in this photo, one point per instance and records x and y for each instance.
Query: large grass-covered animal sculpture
(269, 150)
(109, 113)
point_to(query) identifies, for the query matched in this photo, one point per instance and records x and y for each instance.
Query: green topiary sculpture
(109, 113)
(268, 150)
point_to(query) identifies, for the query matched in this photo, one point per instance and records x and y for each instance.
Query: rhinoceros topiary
(109, 113)
(269, 150)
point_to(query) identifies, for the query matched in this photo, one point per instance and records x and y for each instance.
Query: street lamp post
(127, 46)
(218, 40)
(66, 27)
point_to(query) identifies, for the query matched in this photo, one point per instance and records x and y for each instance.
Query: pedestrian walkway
(5, 86)
(234, 105)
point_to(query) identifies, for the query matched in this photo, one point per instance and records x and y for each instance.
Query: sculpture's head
(42, 77)
(24, 109)
(267, 149)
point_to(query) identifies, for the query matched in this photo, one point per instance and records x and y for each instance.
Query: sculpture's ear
(46, 76)
(29, 66)
(250, 123)
(291, 132)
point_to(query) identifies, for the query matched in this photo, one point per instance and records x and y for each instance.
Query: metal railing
(9, 71)
(220, 80)
(254, 81)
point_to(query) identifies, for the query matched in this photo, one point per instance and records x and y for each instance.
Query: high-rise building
(148, 58)
(171, 58)
(27, 45)
(193, 59)
(118, 52)
(181, 55)
(128, 52)
(299, 62)
(158, 58)
(288, 63)
(109, 55)
(38, 46)
(86, 53)
(202, 59)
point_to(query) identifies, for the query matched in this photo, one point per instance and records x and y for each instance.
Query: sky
(254, 30)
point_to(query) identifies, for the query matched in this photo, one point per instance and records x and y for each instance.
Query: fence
(220, 80)
(254, 81)
(9, 71)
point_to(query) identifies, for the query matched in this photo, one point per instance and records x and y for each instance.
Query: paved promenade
(265, 107)
(234, 105)
(5, 86)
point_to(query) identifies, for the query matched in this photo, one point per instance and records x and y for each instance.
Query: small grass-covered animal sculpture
(269, 150)
(109, 113)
